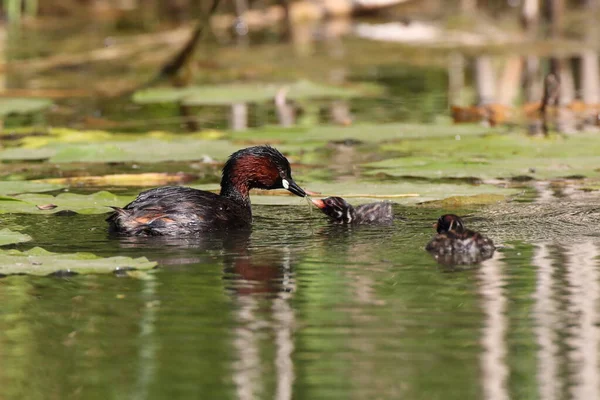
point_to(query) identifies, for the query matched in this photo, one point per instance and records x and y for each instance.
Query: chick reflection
(351, 245)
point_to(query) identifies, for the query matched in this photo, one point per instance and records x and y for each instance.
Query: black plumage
(176, 210)
(454, 244)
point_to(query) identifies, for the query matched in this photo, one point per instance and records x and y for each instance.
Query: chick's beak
(319, 203)
(294, 188)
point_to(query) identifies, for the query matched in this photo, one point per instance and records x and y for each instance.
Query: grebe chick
(456, 244)
(340, 211)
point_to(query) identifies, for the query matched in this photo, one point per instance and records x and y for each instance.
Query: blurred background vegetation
(89, 56)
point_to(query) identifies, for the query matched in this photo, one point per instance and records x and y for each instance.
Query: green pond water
(299, 308)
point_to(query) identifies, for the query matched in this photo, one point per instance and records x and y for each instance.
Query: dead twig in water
(551, 97)
(172, 67)
(115, 51)
(380, 196)
(353, 195)
(143, 179)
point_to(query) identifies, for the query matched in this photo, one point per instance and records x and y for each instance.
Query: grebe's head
(262, 167)
(336, 208)
(449, 222)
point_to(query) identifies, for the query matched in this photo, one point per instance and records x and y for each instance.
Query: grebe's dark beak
(319, 203)
(294, 188)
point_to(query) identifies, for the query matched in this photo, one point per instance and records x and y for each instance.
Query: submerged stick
(143, 179)
(127, 49)
(172, 67)
(381, 196)
(354, 195)
(551, 97)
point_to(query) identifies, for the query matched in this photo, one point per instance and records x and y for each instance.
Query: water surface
(300, 308)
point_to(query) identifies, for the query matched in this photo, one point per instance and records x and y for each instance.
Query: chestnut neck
(237, 190)
(245, 170)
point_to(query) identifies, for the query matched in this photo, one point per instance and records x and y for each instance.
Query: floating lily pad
(9, 237)
(145, 150)
(142, 179)
(362, 132)
(498, 146)
(244, 93)
(38, 261)
(97, 203)
(366, 192)
(464, 201)
(16, 187)
(492, 156)
(20, 153)
(22, 105)
(32, 138)
(148, 150)
(438, 168)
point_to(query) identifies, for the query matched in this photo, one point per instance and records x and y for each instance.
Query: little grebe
(454, 240)
(341, 212)
(175, 210)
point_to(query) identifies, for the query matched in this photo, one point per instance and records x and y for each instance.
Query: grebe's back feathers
(178, 210)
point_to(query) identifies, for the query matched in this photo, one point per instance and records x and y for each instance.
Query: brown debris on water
(46, 206)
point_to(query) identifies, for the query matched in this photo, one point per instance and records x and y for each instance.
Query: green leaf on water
(21, 153)
(361, 191)
(439, 168)
(146, 151)
(16, 105)
(465, 201)
(371, 133)
(143, 151)
(97, 203)
(38, 261)
(247, 93)
(33, 138)
(491, 156)
(357, 192)
(16, 187)
(9, 237)
(499, 146)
